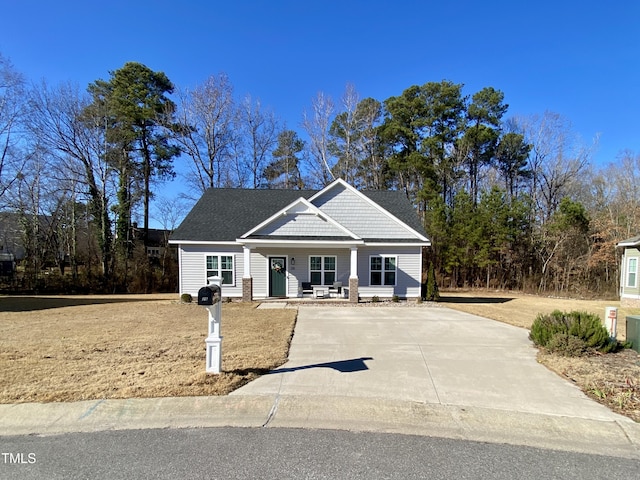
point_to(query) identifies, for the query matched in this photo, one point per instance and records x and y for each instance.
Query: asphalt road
(281, 453)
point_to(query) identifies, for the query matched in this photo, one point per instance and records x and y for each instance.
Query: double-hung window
(221, 266)
(632, 272)
(382, 270)
(322, 270)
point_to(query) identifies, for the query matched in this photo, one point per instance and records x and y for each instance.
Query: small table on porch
(319, 291)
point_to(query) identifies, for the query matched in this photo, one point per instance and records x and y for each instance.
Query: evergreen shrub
(432, 292)
(571, 334)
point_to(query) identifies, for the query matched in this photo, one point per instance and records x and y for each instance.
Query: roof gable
(358, 212)
(300, 219)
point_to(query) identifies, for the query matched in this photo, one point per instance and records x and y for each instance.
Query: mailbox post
(209, 297)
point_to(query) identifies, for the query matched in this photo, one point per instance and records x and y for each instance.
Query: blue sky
(577, 58)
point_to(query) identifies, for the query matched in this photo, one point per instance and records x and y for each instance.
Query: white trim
(262, 242)
(634, 242)
(635, 273)
(339, 181)
(322, 270)
(398, 244)
(310, 209)
(202, 242)
(219, 269)
(382, 271)
(632, 296)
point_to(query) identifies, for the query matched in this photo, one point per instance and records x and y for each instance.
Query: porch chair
(336, 289)
(307, 289)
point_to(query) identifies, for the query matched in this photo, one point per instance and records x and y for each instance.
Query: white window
(632, 272)
(382, 270)
(322, 270)
(221, 266)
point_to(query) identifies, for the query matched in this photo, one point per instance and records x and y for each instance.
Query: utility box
(633, 331)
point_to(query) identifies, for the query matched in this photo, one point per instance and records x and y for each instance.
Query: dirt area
(71, 348)
(612, 379)
(90, 347)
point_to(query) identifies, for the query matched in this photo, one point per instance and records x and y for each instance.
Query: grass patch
(153, 347)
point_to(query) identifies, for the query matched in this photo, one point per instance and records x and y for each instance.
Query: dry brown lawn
(71, 348)
(612, 379)
(90, 347)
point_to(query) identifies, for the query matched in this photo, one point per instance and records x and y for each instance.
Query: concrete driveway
(421, 354)
(418, 370)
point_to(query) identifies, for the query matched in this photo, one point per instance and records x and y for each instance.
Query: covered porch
(302, 269)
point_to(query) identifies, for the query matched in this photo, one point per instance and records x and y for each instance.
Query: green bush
(571, 333)
(186, 298)
(395, 299)
(567, 345)
(375, 299)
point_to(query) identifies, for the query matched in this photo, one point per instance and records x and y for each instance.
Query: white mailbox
(210, 297)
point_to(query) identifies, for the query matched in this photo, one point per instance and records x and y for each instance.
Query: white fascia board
(258, 242)
(339, 181)
(628, 244)
(398, 244)
(199, 242)
(315, 210)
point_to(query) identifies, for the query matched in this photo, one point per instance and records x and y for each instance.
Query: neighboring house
(11, 235)
(629, 283)
(283, 243)
(156, 240)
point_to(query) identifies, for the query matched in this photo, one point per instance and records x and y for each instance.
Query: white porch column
(247, 261)
(354, 263)
(247, 281)
(353, 276)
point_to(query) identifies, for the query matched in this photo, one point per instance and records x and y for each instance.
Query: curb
(617, 438)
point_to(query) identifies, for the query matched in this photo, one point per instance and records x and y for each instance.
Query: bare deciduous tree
(11, 112)
(260, 131)
(208, 134)
(62, 123)
(317, 125)
(557, 158)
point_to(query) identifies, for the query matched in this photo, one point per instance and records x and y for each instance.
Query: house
(629, 286)
(289, 243)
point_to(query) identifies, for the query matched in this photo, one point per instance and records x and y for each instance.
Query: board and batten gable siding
(358, 215)
(627, 291)
(300, 225)
(298, 273)
(408, 271)
(193, 268)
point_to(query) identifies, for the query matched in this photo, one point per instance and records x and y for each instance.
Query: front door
(278, 277)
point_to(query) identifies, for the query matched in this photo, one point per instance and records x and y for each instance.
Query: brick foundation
(353, 290)
(247, 289)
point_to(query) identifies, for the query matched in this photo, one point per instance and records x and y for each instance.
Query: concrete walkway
(420, 370)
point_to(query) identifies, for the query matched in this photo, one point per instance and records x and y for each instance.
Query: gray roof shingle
(224, 214)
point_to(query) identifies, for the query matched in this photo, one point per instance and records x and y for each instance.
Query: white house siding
(308, 225)
(298, 273)
(629, 292)
(193, 267)
(358, 215)
(408, 272)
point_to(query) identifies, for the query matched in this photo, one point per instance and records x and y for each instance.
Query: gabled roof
(225, 215)
(301, 209)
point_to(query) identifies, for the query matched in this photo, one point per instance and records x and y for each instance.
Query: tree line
(511, 203)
